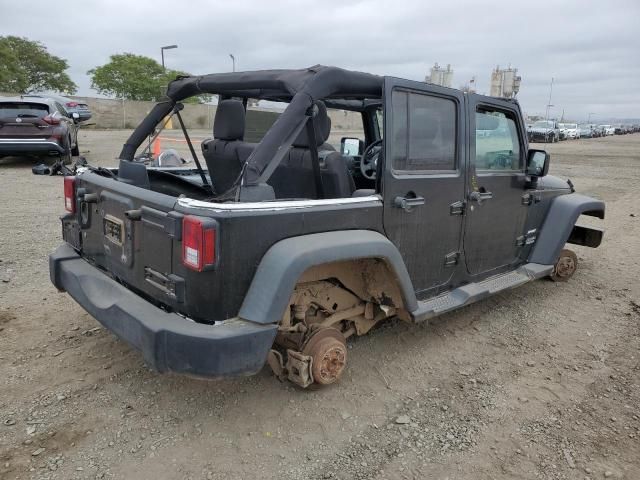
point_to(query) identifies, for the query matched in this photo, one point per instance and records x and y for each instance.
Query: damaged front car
(544, 131)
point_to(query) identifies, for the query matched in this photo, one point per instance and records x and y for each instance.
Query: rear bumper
(167, 341)
(34, 146)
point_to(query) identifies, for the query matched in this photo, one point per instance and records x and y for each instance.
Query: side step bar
(472, 292)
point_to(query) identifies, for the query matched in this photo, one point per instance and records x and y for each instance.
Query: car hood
(541, 130)
(551, 182)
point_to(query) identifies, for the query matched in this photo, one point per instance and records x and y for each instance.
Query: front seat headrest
(229, 121)
(322, 124)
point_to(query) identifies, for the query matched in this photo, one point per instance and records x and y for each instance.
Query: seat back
(336, 178)
(226, 153)
(294, 177)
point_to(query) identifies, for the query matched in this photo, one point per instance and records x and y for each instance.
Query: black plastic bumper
(168, 341)
(44, 147)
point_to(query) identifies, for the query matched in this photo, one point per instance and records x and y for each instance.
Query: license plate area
(116, 231)
(113, 229)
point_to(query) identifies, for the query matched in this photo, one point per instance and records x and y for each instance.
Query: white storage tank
(440, 75)
(505, 82)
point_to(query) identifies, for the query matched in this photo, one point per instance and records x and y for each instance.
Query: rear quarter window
(424, 133)
(15, 110)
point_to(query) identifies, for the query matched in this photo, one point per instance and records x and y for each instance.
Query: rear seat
(294, 177)
(226, 152)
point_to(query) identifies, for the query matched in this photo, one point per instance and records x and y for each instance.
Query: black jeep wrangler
(276, 252)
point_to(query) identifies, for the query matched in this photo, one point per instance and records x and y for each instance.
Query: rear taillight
(51, 120)
(71, 104)
(198, 242)
(70, 194)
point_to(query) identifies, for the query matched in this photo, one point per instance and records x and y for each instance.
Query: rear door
(423, 179)
(497, 200)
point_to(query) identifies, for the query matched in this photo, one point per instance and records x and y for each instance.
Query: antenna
(549, 102)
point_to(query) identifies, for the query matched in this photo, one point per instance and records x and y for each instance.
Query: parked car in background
(598, 131)
(570, 130)
(619, 129)
(608, 129)
(37, 126)
(71, 106)
(546, 131)
(585, 131)
(563, 131)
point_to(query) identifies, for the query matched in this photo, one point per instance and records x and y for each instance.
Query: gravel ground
(541, 382)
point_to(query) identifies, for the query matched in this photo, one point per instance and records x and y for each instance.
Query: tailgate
(131, 232)
(24, 128)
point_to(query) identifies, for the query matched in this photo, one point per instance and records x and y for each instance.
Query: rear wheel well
(329, 303)
(370, 279)
(351, 296)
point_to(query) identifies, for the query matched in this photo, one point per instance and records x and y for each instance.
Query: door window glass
(424, 133)
(497, 142)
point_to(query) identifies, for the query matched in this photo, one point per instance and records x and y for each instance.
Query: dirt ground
(540, 382)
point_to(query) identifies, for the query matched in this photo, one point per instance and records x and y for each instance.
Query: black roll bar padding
(338, 87)
(277, 141)
(193, 151)
(142, 131)
(313, 148)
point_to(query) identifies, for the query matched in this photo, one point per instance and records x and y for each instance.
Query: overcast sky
(591, 48)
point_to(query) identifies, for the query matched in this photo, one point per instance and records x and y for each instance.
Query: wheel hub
(565, 267)
(328, 350)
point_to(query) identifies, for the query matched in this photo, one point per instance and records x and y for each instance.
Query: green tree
(132, 77)
(27, 67)
(128, 76)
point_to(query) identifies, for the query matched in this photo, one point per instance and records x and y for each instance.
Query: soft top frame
(338, 88)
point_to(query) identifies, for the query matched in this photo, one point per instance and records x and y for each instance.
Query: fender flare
(286, 260)
(558, 224)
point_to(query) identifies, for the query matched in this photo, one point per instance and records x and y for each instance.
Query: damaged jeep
(277, 251)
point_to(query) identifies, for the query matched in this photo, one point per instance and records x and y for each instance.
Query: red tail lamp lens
(70, 194)
(51, 120)
(198, 243)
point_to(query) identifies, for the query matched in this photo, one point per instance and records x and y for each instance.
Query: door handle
(480, 196)
(407, 203)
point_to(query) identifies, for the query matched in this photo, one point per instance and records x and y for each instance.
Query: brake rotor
(565, 267)
(328, 349)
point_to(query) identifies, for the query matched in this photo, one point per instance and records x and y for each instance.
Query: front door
(424, 179)
(496, 210)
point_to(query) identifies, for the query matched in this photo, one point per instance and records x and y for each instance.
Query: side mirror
(350, 147)
(538, 163)
(75, 116)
